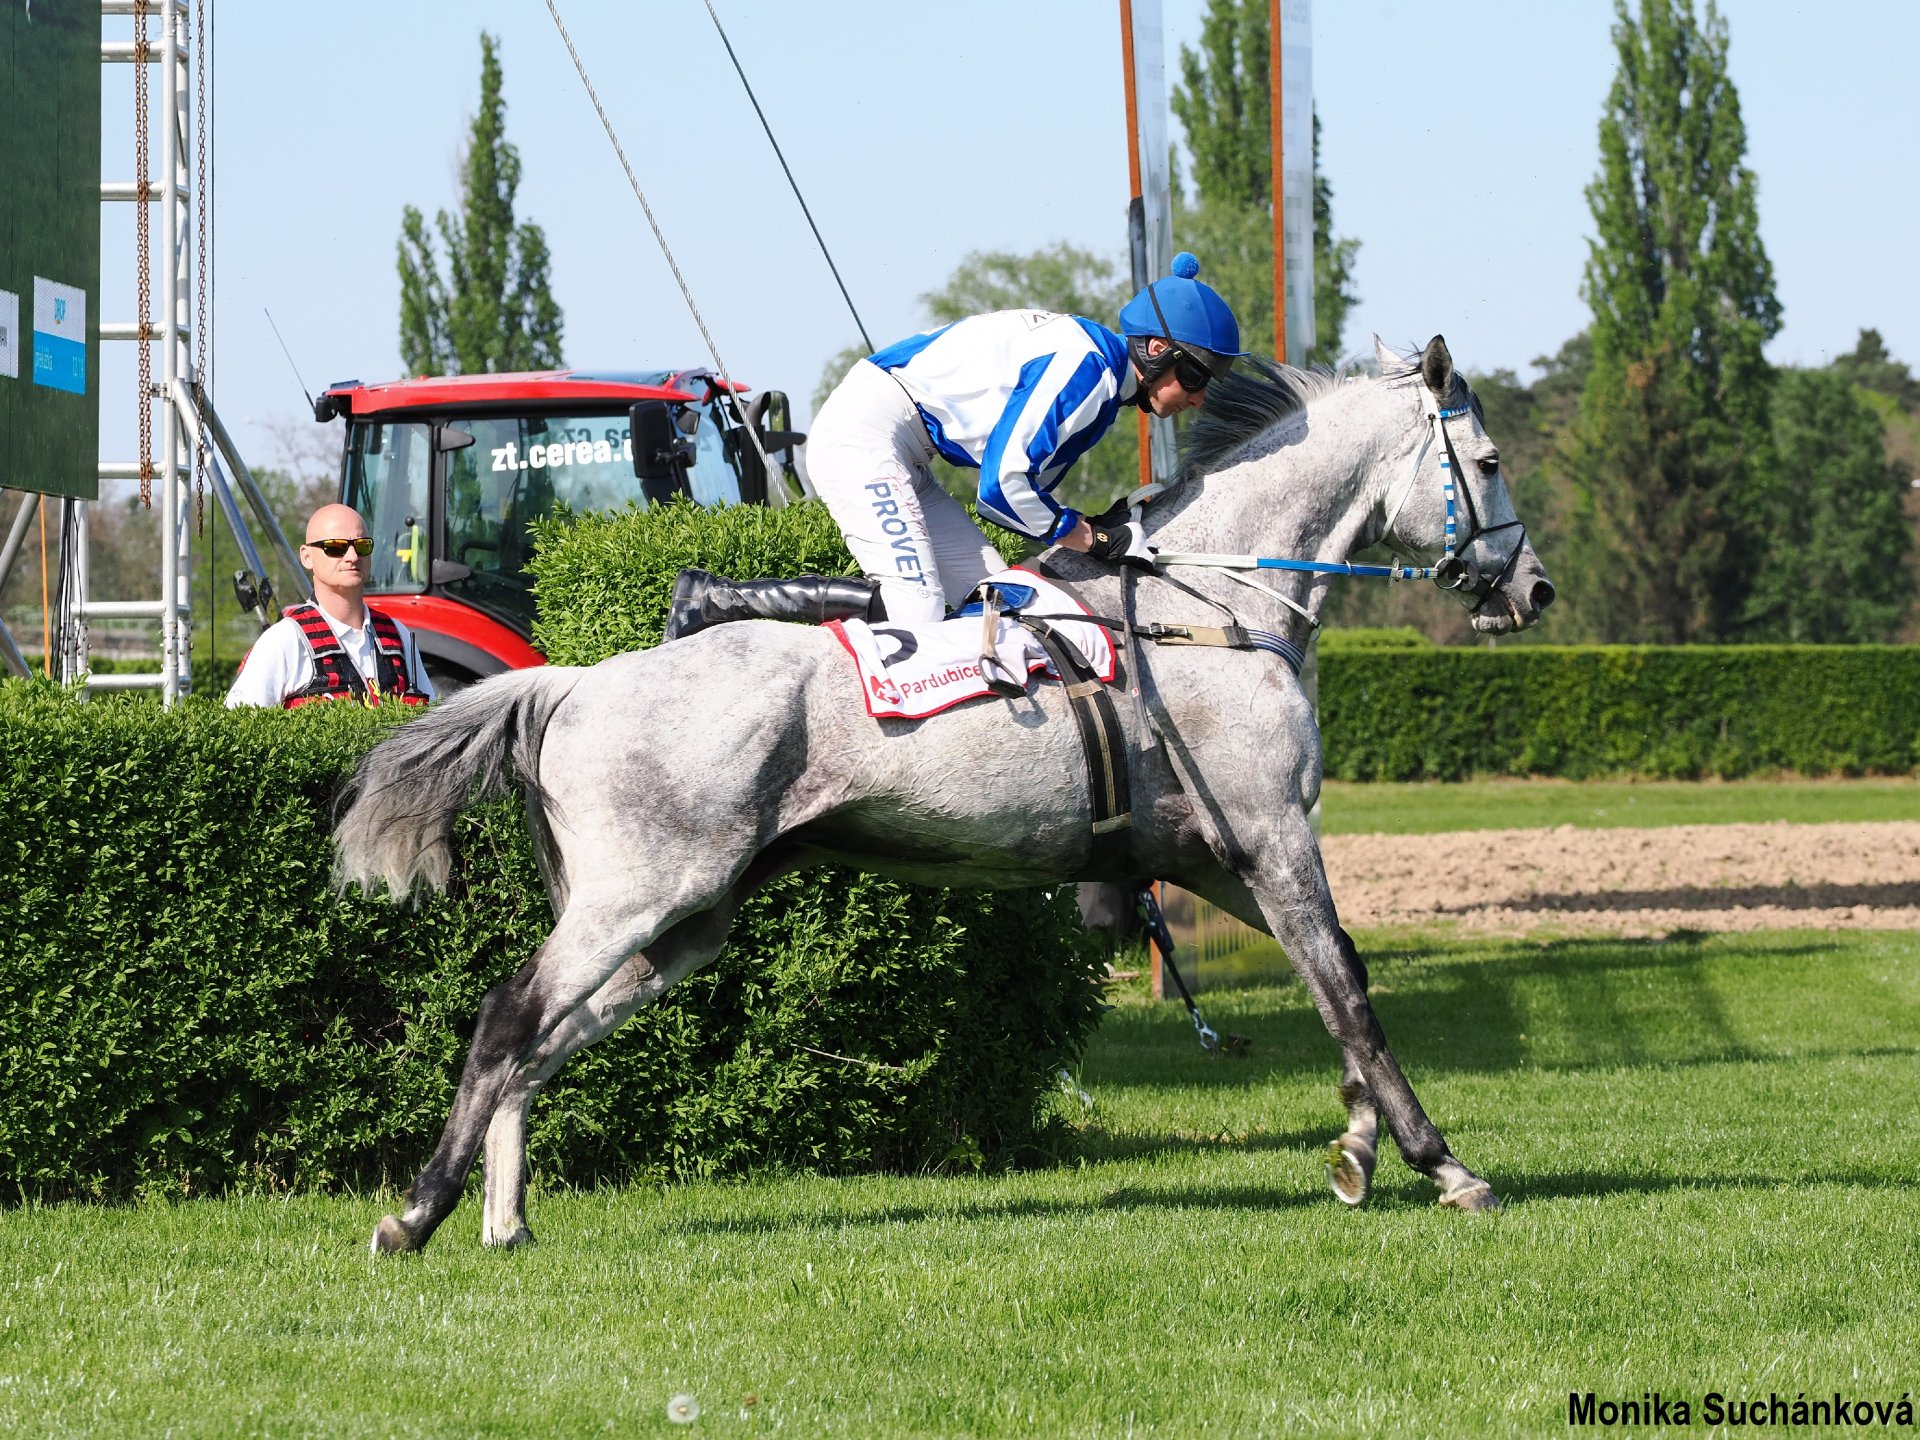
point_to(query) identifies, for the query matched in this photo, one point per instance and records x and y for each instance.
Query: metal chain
(144, 277)
(201, 379)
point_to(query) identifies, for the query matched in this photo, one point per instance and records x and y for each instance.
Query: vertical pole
(1136, 209)
(183, 122)
(1310, 669)
(170, 362)
(1278, 185)
(83, 588)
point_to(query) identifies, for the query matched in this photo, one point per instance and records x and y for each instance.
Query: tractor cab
(451, 472)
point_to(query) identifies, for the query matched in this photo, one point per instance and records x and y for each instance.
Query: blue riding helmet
(1187, 313)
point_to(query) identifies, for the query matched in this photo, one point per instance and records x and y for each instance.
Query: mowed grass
(1708, 1148)
(1386, 809)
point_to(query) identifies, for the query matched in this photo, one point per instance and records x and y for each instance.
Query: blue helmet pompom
(1184, 310)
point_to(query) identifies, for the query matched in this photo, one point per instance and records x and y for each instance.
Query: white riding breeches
(869, 459)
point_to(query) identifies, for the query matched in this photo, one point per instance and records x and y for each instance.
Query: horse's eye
(1490, 465)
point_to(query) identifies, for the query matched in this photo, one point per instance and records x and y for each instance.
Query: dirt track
(1634, 882)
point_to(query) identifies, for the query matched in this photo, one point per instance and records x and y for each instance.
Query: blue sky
(1459, 140)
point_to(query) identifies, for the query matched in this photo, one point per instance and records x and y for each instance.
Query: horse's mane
(1246, 403)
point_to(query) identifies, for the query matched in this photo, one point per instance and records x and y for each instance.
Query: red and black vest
(335, 677)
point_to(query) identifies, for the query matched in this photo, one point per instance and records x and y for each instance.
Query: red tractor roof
(547, 387)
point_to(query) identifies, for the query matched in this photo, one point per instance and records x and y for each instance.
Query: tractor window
(515, 472)
(712, 477)
(388, 467)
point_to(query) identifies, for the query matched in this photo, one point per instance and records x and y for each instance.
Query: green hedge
(602, 581)
(1372, 637)
(1667, 712)
(188, 1007)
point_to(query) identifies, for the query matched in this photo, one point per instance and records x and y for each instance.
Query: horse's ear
(1436, 367)
(1384, 353)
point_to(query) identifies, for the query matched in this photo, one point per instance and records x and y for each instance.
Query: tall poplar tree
(492, 309)
(1836, 571)
(1223, 103)
(1671, 447)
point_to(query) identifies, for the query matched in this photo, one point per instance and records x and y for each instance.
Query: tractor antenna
(289, 354)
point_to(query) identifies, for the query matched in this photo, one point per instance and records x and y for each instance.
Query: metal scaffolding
(188, 425)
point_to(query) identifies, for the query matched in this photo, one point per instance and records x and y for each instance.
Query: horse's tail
(402, 800)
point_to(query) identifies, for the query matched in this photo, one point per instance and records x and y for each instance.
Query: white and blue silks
(1018, 395)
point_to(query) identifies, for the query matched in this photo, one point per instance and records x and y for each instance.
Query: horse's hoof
(1349, 1163)
(520, 1237)
(390, 1237)
(1474, 1195)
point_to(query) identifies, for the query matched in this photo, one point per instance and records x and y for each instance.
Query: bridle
(1454, 571)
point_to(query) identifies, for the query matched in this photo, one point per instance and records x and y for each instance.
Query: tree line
(1678, 486)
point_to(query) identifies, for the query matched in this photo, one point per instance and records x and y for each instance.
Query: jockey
(1018, 395)
(340, 647)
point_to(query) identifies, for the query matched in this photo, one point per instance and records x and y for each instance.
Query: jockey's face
(1167, 397)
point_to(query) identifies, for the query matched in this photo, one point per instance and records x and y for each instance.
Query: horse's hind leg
(588, 944)
(687, 947)
(503, 1219)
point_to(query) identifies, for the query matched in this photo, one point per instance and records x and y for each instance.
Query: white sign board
(9, 335)
(1156, 186)
(1296, 167)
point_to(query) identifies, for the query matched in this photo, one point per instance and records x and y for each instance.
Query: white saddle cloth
(908, 672)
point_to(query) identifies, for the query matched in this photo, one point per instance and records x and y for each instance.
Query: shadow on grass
(1466, 1007)
(1587, 1184)
(1694, 897)
(1101, 1146)
(1399, 1192)
(1129, 1196)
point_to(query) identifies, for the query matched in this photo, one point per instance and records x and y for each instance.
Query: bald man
(340, 647)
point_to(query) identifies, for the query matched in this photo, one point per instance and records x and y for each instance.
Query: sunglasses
(336, 548)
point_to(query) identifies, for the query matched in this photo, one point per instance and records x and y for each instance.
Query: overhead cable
(753, 434)
(821, 240)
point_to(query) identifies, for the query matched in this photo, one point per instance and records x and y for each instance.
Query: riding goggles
(1192, 375)
(334, 549)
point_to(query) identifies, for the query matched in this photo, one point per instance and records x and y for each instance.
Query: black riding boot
(700, 600)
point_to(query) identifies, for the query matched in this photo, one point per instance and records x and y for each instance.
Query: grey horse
(664, 786)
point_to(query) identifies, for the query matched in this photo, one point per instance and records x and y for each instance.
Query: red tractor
(450, 472)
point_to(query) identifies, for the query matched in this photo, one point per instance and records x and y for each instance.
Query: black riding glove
(1122, 545)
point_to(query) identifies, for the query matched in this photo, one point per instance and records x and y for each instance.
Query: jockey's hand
(1079, 538)
(1122, 545)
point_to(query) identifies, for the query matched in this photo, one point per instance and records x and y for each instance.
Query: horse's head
(1452, 510)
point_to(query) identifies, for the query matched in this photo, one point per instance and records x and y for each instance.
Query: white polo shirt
(280, 665)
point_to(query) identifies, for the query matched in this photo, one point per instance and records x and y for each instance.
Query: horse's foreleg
(1350, 1159)
(1292, 892)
